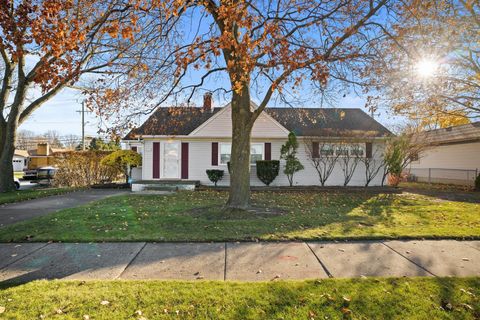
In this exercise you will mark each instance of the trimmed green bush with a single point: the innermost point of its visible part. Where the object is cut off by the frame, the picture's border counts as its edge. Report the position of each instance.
(477, 183)
(267, 170)
(215, 175)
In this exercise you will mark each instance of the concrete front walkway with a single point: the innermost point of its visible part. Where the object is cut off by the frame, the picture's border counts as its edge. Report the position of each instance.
(262, 261)
(15, 212)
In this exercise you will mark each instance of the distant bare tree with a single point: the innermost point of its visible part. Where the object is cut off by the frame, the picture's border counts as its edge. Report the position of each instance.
(53, 138)
(24, 138)
(71, 141)
(323, 158)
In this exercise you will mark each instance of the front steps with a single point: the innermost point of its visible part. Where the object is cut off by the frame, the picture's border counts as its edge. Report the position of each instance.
(164, 185)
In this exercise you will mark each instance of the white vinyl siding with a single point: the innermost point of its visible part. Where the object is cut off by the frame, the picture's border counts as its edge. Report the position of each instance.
(453, 156)
(220, 125)
(199, 161)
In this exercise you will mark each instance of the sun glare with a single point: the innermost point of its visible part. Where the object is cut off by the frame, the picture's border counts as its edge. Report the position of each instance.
(426, 68)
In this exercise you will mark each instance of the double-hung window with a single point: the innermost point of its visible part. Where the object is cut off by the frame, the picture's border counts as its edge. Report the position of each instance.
(357, 150)
(354, 150)
(326, 150)
(257, 152)
(225, 152)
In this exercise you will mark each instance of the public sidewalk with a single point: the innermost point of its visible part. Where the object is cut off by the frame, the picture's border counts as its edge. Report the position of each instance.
(246, 261)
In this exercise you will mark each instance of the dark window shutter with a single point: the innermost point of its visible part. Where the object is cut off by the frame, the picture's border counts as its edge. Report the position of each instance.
(184, 160)
(368, 149)
(268, 151)
(156, 160)
(134, 149)
(315, 150)
(214, 153)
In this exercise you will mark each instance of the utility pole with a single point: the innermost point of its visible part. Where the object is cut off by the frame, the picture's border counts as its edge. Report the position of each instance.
(83, 111)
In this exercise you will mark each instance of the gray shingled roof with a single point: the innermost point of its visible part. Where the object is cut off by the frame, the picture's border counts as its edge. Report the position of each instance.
(333, 122)
(172, 121)
(456, 134)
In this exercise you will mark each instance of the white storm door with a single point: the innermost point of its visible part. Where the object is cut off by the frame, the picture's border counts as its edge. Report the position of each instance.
(171, 160)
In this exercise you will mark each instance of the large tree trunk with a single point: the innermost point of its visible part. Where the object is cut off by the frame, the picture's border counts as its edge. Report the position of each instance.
(7, 150)
(239, 197)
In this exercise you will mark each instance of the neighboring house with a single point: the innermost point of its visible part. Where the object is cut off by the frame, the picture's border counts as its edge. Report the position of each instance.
(20, 160)
(42, 156)
(452, 155)
(182, 143)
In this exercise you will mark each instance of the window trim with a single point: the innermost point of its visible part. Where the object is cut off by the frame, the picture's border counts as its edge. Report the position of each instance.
(262, 144)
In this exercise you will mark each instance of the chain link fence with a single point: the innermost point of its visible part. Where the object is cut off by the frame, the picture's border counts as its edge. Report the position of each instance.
(442, 175)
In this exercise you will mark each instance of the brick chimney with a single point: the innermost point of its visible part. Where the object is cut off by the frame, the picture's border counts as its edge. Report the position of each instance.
(207, 102)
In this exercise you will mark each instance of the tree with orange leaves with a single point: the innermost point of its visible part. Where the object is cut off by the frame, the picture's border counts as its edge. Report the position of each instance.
(270, 47)
(52, 44)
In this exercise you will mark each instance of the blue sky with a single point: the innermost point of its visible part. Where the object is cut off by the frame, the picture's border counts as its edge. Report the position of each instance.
(60, 114)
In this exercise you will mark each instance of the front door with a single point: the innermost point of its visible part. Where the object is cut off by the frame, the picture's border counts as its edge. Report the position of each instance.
(170, 160)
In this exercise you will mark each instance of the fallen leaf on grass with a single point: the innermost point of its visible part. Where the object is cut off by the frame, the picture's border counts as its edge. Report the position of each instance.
(346, 311)
(467, 306)
(467, 292)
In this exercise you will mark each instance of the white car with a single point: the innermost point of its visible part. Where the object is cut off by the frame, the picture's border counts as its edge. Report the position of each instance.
(17, 183)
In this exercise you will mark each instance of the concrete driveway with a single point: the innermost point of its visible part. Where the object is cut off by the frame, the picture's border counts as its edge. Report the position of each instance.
(15, 212)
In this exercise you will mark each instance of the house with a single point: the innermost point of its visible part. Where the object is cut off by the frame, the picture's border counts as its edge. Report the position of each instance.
(20, 160)
(452, 155)
(42, 156)
(181, 143)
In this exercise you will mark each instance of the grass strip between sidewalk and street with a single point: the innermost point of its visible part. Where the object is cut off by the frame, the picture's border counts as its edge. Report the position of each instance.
(372, 298)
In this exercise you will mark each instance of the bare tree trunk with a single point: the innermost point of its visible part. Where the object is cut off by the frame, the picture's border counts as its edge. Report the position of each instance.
(7, 144)
(239, 197)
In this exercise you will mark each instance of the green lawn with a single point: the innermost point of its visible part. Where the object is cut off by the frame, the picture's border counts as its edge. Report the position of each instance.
(407, 298)
(197, 216)
(22, 195)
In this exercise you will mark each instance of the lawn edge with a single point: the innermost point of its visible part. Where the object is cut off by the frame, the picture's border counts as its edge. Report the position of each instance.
(298, 240)
(58, 192)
